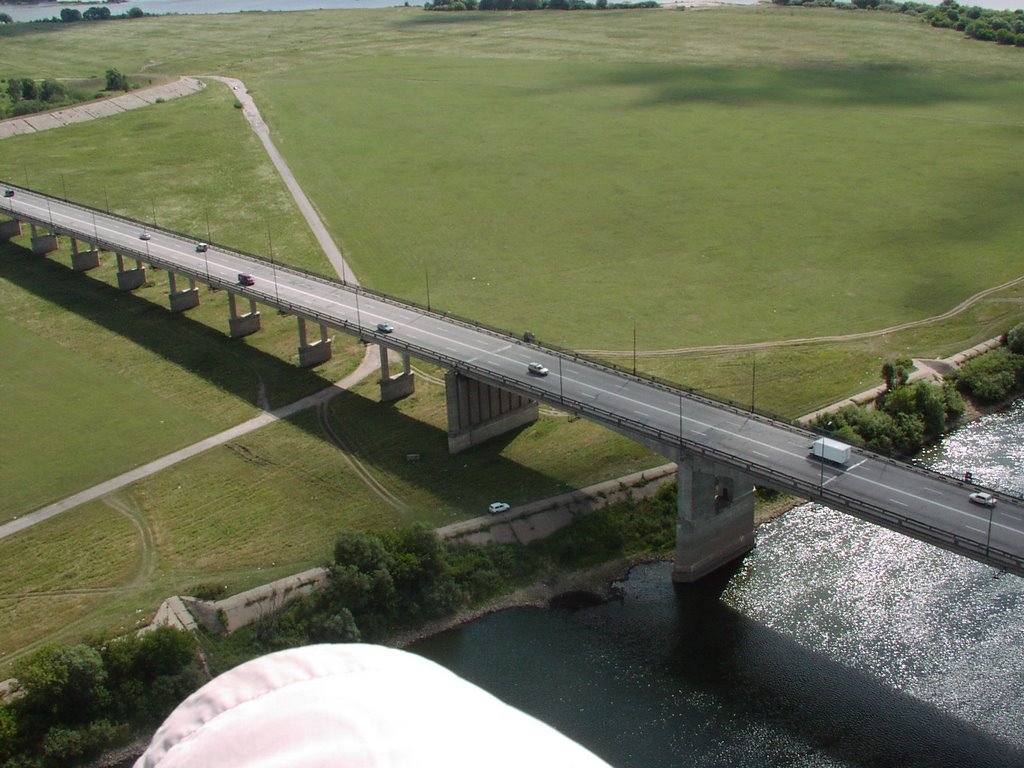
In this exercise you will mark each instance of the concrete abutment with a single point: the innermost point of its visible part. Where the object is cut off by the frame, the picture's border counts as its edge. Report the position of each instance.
(43, 244)
(130, 279)
(395, 387)
(182, 300)
(10, 228)
(83, 261)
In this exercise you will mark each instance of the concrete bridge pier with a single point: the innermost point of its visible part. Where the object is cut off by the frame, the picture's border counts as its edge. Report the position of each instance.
(130, 279)
(82, 261)
(479, 411)
(242, 325)
(182, 300)
(402, 385)
(42, 244)
(715, 518)
(317, 352)
(10, 228)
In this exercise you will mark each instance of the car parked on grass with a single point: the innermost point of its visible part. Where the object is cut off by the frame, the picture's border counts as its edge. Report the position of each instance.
(246, 279)
(537, 369)
(985, 499)
(498, 507)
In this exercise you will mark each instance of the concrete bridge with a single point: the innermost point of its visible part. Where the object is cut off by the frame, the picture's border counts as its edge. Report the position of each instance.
(721, 450)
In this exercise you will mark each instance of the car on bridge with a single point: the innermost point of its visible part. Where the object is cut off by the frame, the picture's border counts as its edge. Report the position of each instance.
(384, 328)
(8, 193)
(246, 279)
(144, 236)
(537, 369)
(985, 499)
(498, 507)
(202, 247)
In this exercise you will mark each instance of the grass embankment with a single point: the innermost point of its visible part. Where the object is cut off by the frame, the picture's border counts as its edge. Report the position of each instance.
(715, 177)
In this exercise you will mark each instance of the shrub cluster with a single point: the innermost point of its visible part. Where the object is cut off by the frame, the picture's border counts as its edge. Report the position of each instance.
(994, 377)
(71, 703)
(380, 583)
(532, 5)
(906, 417)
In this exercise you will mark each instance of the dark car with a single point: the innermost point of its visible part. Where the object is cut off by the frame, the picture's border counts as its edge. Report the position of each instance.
(8, 193)
(244, 279)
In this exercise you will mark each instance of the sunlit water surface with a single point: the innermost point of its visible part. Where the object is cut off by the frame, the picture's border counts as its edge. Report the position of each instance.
(836, 643)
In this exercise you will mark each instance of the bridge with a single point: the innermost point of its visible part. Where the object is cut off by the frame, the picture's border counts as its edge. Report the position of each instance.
(721, 449)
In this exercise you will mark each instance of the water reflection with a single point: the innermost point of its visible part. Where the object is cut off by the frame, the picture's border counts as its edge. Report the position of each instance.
(835, 643)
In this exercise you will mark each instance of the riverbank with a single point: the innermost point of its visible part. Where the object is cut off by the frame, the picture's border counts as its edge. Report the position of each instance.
(588, 586)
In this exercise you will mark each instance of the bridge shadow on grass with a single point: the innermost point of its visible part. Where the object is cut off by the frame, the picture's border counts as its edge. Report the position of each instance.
(378, 434)
(859, 720)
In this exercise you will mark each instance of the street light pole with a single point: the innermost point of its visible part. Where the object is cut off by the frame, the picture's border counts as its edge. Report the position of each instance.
(634, 346)
(426, 271)
(273, 268)
(753, 380)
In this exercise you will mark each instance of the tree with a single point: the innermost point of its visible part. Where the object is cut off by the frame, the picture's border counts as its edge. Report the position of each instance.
(64, 685)
(1015, 339)
(896, 373)
(70, 14)
(96, 13)
(116, 81)
(5, 18)
(14, 89)
(135, 13)
(51, 90)
(29, 92)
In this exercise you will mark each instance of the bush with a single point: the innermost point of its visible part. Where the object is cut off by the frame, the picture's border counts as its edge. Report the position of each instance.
(993, 377)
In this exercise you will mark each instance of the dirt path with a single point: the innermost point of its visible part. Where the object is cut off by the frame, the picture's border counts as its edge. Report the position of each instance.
(259, 127)
(369, 364)
(754, 347)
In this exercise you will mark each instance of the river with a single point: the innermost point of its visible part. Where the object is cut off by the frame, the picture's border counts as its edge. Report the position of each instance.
(835, 643)
(52, 9)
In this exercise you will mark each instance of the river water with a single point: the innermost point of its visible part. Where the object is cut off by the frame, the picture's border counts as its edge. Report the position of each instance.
(52, 9)
(835, 643)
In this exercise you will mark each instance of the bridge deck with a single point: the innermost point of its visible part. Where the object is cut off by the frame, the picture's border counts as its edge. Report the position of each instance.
(919, 503)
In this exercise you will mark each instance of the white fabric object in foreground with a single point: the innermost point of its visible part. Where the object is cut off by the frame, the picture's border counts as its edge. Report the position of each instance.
(353, 706)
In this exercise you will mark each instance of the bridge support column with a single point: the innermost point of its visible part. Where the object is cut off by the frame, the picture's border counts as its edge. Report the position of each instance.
(715, 518)
(82, 261)
(182, 300)
(243, 325)
(479, 411)
(42, 244)
(130, 279)
(315, 353)
(9, 229)
(400, 386)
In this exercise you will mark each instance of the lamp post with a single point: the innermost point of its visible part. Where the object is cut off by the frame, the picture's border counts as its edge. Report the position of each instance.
(106, 197)
(561, 388)
(426, 272)
(206, 250)
(634, 346)
(64, 186)
(152, 202)
(753, 380)
(273, 268)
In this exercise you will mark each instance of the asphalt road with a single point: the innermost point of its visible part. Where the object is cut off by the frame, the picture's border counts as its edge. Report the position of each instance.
(922, 504)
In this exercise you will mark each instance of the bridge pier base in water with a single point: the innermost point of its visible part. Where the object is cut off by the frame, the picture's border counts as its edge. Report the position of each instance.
(479, 411)
(82, 261)
(10, 228)
(715, 518)
(130, 279)
(317, 352)
(42, 244)
(242, 325)
(402, 385)
(182, 300)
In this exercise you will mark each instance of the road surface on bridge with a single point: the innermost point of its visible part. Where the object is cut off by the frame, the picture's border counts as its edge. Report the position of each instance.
(919, 503)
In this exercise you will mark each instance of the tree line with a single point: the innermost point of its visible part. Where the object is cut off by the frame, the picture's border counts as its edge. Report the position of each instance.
(1003, 27)
(532, 5)
(71, 15)
(70, 703)
(25, 95)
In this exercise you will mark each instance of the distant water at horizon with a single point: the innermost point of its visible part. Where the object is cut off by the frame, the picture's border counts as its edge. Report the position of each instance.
(48, 10)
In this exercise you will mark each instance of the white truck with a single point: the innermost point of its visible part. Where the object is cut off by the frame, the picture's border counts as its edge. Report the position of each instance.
(831, 450)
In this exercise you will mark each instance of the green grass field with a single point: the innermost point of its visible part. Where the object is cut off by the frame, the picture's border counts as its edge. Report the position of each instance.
(713, 177)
